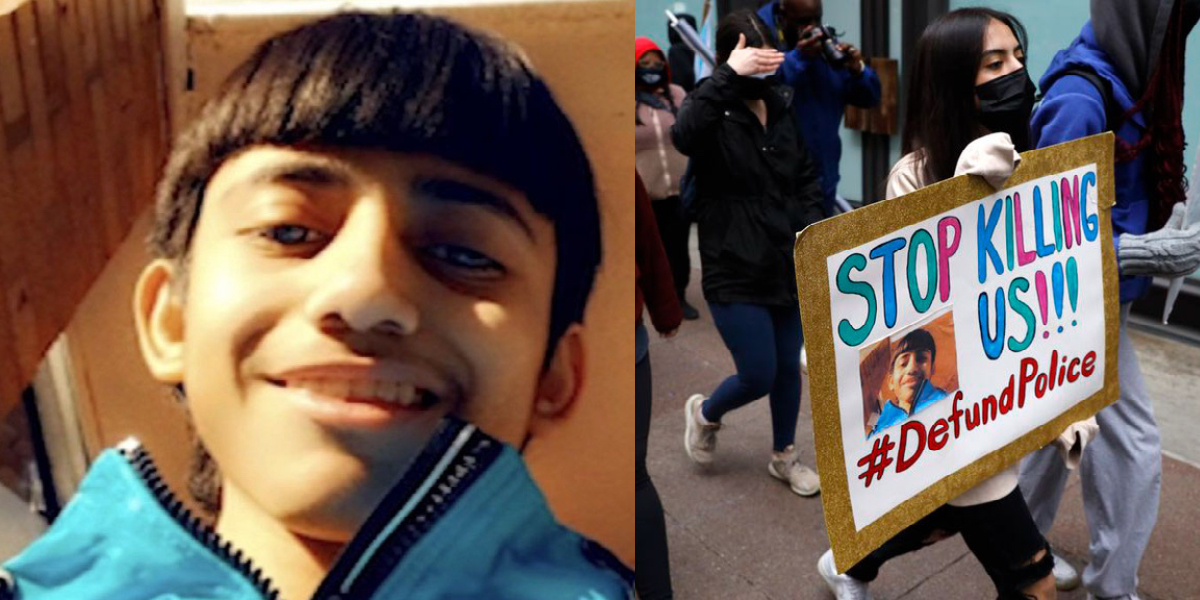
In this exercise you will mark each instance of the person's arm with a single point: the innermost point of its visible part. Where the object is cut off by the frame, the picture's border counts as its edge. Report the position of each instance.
(863, 89)
(1170, 250)
(702, 110)
(1073, 109)
(905, 177)
(794, 67)
(653, 271)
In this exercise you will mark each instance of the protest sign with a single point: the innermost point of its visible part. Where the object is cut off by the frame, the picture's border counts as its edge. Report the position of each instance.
(954, 330)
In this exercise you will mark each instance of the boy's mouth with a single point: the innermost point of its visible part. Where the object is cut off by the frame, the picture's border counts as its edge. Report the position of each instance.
(396, 393)
(372, 394)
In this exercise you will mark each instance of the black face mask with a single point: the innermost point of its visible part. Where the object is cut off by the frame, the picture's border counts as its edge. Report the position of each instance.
(650, 76)
(1005, 104)
(752, 88)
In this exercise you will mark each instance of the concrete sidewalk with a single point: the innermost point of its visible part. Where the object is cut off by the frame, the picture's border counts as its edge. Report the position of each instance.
(735, 532)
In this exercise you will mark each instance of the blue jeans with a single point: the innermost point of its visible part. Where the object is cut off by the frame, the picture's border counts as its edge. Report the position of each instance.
(765, 343)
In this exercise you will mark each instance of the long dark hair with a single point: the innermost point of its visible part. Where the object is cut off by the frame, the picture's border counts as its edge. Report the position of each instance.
(1162, 101)
(941, 117)
(741, 22)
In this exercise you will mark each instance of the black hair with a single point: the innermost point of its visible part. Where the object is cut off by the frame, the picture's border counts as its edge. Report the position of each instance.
(916, 340)
(400, 82)
(672, 35)
(940, 116)
(742, 22)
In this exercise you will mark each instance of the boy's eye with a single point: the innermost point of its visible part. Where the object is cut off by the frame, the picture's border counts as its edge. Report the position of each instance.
(291, 235)
(465, 258)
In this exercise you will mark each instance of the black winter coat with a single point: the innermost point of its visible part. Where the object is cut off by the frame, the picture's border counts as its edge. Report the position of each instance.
(755, 188)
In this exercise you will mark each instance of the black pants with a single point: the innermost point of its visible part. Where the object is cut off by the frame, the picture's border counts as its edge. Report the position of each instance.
(674, 229)
(653, 568)
(1001, 534)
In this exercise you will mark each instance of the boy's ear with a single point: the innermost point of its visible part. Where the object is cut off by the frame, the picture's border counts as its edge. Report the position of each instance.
(562, 379)
(158, 314)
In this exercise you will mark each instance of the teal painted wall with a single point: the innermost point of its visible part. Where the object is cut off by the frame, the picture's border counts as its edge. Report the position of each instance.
(651, 20)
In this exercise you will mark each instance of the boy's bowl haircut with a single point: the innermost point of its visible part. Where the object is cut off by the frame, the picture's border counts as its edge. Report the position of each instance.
(401, 82)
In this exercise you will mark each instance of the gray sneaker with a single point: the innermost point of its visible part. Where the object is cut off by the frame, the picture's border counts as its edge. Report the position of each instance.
(785, 466)
(1065, 576)
(844, 587)
(700, 436)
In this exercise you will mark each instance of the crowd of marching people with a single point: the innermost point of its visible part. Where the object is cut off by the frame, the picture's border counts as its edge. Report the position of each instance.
(749, 153)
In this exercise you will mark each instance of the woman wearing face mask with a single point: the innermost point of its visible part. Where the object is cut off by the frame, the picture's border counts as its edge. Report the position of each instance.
(755, 188)
(968, 112)
(658, 162)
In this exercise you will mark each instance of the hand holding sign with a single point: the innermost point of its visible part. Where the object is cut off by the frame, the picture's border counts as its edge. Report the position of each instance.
(1173, 251)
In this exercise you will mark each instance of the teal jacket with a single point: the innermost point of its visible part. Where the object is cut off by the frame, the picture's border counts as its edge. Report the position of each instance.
(465, 521)
(892, 414)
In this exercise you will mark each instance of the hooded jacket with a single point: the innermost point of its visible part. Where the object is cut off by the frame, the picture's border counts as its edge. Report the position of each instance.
(755, 188)
(1072, 107)
(465, 521)
(659, 163)
(822, 93)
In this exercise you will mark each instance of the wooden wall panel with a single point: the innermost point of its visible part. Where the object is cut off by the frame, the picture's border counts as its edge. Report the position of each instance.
(80, 138)
(82, 128)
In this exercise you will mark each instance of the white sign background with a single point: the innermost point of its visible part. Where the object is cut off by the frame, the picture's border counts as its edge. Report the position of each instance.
(978, 375)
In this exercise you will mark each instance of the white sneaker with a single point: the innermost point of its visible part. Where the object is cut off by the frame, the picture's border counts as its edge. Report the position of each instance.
(1129, 597)
(1065, 576)
(843, 586)
(699, 436)
(785, 466)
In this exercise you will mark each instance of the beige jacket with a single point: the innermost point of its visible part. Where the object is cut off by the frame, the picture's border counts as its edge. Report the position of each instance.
(993, 158)
(658, 162)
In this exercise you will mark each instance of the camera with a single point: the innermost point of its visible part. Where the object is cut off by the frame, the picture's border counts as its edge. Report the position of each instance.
(829, 44)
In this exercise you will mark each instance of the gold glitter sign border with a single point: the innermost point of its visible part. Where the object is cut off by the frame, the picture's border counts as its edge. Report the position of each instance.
(813, 247)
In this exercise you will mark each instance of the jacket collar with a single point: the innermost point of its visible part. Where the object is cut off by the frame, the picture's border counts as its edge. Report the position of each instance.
(465, 519)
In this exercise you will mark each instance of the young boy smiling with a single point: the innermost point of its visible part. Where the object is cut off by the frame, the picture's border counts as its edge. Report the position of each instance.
(374, 249)
(909, 379)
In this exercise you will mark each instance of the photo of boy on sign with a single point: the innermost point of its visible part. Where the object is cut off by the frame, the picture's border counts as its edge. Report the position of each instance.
(904, 373)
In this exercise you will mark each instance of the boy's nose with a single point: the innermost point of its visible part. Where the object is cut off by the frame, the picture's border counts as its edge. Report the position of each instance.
(369, 284)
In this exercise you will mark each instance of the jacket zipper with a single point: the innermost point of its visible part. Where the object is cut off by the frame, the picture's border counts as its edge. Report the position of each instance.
(457, 455)
(139, 458)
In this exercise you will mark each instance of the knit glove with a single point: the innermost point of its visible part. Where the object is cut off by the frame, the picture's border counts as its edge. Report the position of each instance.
(1171, 251)
(992, 157)
(1074, 439)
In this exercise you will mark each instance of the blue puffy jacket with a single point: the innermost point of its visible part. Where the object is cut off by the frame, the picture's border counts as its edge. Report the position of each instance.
(465, 521)
(1072, 108)
(822, 93)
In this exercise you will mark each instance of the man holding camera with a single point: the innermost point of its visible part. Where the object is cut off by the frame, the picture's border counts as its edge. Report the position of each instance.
(827, 74)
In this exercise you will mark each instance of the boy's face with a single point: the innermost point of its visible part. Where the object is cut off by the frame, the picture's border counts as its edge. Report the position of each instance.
(338, 304)
(909, 372)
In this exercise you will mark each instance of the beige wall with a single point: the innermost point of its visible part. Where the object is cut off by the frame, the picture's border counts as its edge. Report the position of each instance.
(586, 466)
